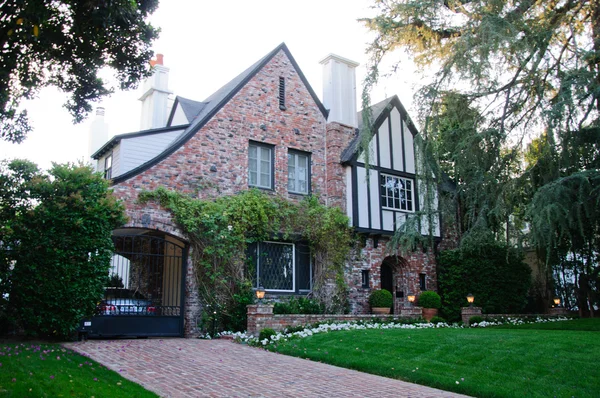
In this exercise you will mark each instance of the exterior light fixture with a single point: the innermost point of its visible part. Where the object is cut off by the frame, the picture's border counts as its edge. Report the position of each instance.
(411, 298)
(260, 293)
(556, 301)
(470, 299)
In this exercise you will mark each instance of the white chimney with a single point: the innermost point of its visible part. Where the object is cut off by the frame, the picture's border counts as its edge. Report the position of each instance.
(98, 134)
(339, 89)
(155, 96)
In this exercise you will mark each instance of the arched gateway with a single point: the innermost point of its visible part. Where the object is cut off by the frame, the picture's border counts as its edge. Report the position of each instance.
(144, 292)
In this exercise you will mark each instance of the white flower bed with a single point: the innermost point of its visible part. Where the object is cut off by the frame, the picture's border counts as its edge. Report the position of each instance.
(354, 325)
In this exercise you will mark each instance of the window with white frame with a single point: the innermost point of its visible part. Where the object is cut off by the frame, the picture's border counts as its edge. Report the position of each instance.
(397, 192)
(298, 172)
(260, 166)
(280, 266)
(108, 167)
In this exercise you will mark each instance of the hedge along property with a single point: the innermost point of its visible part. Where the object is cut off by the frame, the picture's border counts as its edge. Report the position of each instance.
(255, 186)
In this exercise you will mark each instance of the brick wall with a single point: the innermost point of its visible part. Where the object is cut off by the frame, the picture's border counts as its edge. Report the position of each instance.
(406, 273)
(261, 317)
(222, 145)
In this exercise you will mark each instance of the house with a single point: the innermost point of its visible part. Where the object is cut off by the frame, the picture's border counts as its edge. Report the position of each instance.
(268, 129)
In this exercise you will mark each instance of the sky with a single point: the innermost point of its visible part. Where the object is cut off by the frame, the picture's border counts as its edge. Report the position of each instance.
(205, 45)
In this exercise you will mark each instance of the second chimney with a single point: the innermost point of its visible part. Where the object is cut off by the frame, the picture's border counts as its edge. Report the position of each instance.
(155, 96)
(339, 89)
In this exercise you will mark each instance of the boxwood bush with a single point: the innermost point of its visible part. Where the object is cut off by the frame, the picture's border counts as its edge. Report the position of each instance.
(381, 298)
(430, 299)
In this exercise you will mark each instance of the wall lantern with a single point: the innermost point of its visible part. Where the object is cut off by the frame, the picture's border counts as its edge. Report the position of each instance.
(260, 293)
(556, 301)
(411, 298)
(470, 299)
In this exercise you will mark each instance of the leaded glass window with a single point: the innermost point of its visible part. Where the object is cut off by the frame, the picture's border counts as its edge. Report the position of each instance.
(397, 193)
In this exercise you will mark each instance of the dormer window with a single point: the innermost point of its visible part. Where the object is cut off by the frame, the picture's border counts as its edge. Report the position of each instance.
(282, 93)
(108, 167)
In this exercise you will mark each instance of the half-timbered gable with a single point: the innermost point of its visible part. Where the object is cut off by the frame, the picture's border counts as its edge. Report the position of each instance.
(384, 192)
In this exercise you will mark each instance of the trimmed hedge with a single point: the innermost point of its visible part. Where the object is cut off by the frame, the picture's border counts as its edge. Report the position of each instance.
(381, 298)
(494, 273)
(430, 299)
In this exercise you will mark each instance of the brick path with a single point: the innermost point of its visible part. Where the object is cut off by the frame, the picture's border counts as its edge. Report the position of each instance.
(221, 368)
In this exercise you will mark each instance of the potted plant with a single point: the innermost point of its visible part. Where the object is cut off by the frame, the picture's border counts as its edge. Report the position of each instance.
(430, 302)
(381, 301)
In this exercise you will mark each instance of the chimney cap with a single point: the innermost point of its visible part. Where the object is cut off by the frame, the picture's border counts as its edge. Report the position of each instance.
(100, 111)
(331, 56)
(158, 60)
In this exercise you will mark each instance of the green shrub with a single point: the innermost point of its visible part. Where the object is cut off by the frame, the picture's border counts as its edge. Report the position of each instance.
(437, 319)
(298, 305)
(235, 317)
(381, 298)
(61, 247)
(475, 319)
(266, 333)
(430, 299)
(495, 274)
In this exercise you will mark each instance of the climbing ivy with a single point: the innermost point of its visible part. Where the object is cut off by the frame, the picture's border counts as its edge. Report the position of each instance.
(219, 231)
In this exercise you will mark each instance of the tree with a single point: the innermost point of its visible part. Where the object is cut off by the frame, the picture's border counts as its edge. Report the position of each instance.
(522, 61)
(56, 245)
(64, 43)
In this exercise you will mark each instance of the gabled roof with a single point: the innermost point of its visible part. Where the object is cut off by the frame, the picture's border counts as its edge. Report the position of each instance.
(117, 138)
(190, 108)
(379, 112)
(216, 101)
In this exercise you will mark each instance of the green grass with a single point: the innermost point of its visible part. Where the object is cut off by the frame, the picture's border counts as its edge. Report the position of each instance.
(49, 370)
(589, 324)
(490, 362)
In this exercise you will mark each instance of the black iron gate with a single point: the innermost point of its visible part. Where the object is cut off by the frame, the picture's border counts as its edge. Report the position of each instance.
(145, 288)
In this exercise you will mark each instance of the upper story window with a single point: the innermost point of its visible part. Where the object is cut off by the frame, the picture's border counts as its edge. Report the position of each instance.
(298, 172)
(108, 167)
(282, 93)
(260, 165)
(397, 193)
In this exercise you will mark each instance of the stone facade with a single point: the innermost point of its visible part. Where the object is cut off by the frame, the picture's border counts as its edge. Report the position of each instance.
(214, 162)
(406, 272)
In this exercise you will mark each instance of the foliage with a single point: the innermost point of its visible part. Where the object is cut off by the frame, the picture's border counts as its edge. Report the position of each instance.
(381, 298)
(266, 333)
(38, 370)
(494, 274)
(430, 299)
(298, 305)
(236, 318)
(114, 280)
(522, 61)
(565, 219)
(65, 44)
(437, 319)
(485, 362)
(475, 319)
(494, 72)
(220, 230)
(56, 233)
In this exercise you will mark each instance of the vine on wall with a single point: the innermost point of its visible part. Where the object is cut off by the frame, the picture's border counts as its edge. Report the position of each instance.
(219, 231)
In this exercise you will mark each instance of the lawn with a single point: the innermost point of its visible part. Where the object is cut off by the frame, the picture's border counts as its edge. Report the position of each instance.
(49, 370)
(490, 362)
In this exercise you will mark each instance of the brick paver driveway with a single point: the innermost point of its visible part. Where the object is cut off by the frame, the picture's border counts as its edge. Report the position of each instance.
(221, 368)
